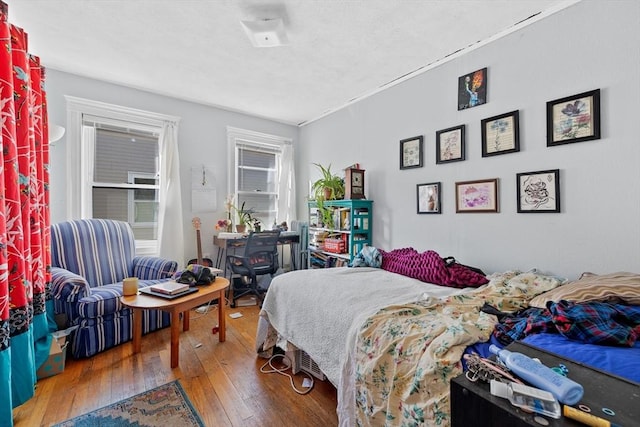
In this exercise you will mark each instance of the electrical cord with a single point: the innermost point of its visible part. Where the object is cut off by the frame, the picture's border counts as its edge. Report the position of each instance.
(280, 371)
(207, 309)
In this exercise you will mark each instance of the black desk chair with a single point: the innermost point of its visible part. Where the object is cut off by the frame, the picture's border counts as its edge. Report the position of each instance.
(260, 257)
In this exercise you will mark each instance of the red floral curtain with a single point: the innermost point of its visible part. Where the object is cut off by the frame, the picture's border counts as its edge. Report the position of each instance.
(24, 217)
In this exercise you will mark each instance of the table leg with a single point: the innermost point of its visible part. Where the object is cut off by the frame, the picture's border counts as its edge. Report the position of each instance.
(292, 256)
(222, 329)
(175, 339)
(219, 256)
(137, 330)
(185, 320)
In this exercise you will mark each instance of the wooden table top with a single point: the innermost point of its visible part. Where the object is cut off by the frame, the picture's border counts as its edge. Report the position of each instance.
(146, 301)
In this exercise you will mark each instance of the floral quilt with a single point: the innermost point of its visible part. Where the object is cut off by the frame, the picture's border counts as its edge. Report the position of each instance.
(407, 354)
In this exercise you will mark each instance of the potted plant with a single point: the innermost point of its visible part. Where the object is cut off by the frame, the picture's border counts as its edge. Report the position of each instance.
(329, 186)
(244, 217)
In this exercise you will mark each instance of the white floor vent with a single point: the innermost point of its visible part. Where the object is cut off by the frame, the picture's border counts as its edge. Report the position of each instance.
(303, 362)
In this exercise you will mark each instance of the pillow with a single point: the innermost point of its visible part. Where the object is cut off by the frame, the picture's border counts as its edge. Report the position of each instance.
(614, 287)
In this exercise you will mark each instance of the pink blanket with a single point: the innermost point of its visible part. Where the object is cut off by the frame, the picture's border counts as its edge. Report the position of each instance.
(429, 267)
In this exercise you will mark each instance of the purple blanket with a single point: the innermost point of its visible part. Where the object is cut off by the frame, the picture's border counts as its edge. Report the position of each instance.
(430, 267)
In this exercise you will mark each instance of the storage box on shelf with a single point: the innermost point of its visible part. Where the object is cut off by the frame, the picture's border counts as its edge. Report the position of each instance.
(335, 244)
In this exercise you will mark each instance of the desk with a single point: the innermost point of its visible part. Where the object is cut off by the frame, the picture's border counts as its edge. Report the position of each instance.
(205, 293)
(235, 241)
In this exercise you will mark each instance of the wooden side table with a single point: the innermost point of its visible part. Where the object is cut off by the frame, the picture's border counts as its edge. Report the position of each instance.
(205, 293)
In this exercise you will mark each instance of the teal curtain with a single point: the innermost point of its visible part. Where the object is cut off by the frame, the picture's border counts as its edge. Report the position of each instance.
(24, 219)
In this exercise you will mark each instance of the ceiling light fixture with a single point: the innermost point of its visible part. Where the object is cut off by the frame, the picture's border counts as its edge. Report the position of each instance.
(266, 32)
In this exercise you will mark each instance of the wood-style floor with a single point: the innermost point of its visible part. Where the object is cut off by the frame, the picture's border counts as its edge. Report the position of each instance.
(222, 380)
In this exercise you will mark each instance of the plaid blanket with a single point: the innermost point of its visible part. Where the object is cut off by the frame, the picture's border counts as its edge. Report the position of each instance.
(589, 322)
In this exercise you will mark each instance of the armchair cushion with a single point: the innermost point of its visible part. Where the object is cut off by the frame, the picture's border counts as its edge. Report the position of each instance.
(149, 267)
(105, 299)
(68, 286)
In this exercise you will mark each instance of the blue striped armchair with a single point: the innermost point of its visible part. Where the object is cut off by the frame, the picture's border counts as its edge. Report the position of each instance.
(89, 259)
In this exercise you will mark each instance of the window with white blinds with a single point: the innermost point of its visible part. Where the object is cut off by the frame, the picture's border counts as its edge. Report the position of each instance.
(257, 160)
(118, 151)
(125, 178)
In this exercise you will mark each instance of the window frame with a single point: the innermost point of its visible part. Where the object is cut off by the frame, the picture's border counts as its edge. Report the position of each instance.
(242, 139)
(80, 182)
(132, 201)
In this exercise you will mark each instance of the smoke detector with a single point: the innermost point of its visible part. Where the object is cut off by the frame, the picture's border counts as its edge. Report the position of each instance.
(266, 32)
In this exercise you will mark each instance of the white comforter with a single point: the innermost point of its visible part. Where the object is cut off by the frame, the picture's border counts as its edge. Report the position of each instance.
(320, 311)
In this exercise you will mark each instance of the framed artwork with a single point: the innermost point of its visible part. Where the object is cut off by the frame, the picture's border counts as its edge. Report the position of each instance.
(574, 118)
(428, 198)
(450, 145)
(477, 196)
(472, 89)
(501, 134)
(538, 192)
(411, 152)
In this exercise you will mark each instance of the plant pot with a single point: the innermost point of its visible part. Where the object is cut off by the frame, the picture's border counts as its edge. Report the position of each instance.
(328, 193)
(241, 228)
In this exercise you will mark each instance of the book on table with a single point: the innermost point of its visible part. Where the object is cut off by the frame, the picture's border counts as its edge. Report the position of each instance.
(170, 288)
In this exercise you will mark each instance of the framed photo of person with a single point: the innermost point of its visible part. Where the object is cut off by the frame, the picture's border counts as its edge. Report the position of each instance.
(428, 198)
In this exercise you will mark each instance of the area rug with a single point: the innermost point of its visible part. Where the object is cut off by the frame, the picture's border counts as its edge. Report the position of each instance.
(167, 405)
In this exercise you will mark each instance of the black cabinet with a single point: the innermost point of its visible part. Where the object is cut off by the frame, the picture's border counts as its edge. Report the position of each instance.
(472, 404)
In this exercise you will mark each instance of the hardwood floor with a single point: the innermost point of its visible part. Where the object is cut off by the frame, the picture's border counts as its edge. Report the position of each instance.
(222, 380)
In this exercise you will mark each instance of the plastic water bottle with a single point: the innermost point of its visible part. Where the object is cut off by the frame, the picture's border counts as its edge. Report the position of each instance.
(565, 390)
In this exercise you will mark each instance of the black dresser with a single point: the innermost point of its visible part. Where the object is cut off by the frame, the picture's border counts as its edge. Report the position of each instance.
(472, 404)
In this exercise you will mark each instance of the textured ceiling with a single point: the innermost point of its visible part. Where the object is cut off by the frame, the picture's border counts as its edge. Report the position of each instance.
(197, 50)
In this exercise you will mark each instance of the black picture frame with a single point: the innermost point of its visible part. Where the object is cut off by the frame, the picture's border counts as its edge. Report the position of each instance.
(501, 134)
(538, 192)
(429, 198)
(450, 144)
(574, 118)
(411, 152)
(472, 89)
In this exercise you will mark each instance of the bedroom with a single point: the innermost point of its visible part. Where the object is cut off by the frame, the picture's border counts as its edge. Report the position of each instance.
(587, 46)
(597, 228)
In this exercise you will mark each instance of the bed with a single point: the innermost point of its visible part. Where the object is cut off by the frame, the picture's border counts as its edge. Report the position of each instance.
(389, 343)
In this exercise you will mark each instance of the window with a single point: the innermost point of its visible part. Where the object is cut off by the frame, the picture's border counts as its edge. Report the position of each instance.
(142, 203)
(262, 175)
(119, 152)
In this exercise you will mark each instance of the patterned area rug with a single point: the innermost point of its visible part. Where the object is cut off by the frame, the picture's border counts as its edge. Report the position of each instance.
(167, 405)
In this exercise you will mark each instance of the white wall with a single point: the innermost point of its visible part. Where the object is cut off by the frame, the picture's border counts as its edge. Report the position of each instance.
(593, 44)
(202, 141)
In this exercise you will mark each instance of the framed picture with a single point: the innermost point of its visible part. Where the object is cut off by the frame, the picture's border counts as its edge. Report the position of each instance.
(411, 152)
(428, 197)
(450, 145)
(538, 191)
(574, 118)
(501, 134)
(477, 196)
(472, 89)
